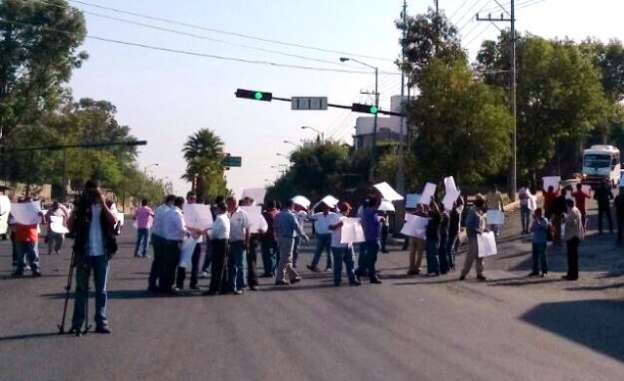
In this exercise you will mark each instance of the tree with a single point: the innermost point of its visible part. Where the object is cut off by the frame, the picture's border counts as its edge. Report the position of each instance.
(429, 36)
(461, 126)
(35, 61)
(609, 58)
(203, 152)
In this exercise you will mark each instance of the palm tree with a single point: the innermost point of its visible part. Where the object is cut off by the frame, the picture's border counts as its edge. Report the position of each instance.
(203, 152)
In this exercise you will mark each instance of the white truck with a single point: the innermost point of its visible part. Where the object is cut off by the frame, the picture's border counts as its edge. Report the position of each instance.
(601, 163)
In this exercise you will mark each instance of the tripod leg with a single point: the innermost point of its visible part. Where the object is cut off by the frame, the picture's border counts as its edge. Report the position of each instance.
(70, 277)
(87, 326)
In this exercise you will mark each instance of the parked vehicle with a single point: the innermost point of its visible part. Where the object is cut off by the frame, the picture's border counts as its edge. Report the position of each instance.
(601, 163)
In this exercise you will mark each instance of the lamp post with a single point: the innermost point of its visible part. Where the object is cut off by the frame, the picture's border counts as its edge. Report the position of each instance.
(320, 133)
(291, 143)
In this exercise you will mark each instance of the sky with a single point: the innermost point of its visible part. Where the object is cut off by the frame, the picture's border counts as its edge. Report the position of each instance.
(166, 97)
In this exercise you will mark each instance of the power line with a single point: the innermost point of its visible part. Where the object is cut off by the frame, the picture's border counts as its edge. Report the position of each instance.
(197, 54)
(241, 35)
(467, 13)
(458, 9)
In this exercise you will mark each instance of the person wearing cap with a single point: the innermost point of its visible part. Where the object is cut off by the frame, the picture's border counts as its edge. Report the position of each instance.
(341, 251)
(474, 227)
(323, 237)
(287, 227)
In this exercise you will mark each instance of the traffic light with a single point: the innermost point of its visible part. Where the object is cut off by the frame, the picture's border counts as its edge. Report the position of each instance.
(254, 94)
(368, 109)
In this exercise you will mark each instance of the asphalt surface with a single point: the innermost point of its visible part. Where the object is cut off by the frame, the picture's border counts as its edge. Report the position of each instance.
(408, 328)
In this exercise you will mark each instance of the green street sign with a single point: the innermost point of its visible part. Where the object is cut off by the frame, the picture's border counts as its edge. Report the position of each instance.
(232, 161)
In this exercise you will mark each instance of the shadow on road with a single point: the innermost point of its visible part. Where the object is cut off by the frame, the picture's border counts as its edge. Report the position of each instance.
(522, 281)
(595, 324)
(28, 336)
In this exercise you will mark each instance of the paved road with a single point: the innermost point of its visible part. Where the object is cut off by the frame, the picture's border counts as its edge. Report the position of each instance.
(409, 328)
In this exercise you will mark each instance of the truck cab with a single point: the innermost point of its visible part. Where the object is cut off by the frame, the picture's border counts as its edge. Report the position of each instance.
(601, 163)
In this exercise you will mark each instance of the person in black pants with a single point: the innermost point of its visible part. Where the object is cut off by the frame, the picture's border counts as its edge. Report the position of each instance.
(175, 233)
(191, 198)
(574, 233)
(444, 233)
(603, 195)
(219, 243)
(252, 251)
(619, 214)
(385, 230)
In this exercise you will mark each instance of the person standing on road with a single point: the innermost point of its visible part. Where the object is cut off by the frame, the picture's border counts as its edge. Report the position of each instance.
(539, 228)
(268, 242)
(55, 240)
(370, 224)
(494, 201)
(603, 196)
(474, 227)
(323, 237)
(175, 232)
(93, 224)
(191, 198)
(239, 241)
(343, 252)
(385, 231)
(558, 212)
(549, 200)
(255, 238)
(524, 195)
(579, 199)
(219, 236)
(301, 215)
(433, 239)
(25, 240)
(444, 232)
(417, 244)
(159, 243)
(619, 214)
(454, 229)
(287, 227)
(574, 233)
(144, 216)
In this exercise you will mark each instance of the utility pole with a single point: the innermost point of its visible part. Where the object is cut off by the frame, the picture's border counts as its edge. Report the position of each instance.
(513, 85)
(400, 178)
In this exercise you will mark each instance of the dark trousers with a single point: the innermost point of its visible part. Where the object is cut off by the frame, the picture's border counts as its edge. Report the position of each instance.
(384, 237)
(343, 254)
(218, 270)
(99, 267)
(156, 272)
(620, 226)
(370, 258)
(296, 250)
(269, 255)
(607, 213)
(207, 256)
(433, 264)
(171, 260)
(194, 269)
(451, 249)
(443, 255)
(573, 267)
(252, 260)
(539, 258)
(143, 236)
(525, 216)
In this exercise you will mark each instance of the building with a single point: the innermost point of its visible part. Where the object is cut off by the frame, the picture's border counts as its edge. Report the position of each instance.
(388, 127)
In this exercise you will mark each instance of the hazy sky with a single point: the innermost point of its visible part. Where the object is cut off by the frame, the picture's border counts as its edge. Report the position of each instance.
(165, 97)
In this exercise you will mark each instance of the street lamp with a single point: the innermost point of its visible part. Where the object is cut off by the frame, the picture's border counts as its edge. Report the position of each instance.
(320, 133)
(376, 69)
(282, 155)
(291, 143)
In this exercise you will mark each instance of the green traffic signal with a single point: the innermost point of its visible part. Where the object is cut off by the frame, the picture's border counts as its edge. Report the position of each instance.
(258, 95)
(374, 110)
(254, 94)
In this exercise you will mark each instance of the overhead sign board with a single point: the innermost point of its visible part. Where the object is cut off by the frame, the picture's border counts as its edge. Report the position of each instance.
(308, 103)
(232, 161)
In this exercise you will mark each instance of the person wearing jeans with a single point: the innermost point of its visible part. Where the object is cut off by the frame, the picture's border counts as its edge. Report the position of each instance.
(525, 213)
(25, 241)
(219, 239)
(539, 228)
(323, 237)
(239, 242)
(433, 240)
(287, 227)
(474, 227)
(370, 225)
(342, 252)
(144, 216)
(574, 233)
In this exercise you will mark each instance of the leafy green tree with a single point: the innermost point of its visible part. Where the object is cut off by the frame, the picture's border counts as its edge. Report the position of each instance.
(203, 152)
(461, 126)
(34, 62)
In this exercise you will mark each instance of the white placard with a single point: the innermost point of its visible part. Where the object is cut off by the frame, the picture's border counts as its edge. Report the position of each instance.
(57, 226)
(187, 250)
(197, 216)
(351, 231)
(411, 200)
(387, 192)
(5, 205)
(26, 213)
(487, 244)
(495, 217)
(330, 201)
(256, 194)
(427, 194)
(386, 206)
(256, 219)
(449, 184)
(532, 202)
(301, 201)
(415, 226)
(449, 198)
(553, 181)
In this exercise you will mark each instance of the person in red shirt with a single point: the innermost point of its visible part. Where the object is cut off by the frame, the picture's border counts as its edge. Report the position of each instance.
(549, 201)
(26, 239)
(579, 200)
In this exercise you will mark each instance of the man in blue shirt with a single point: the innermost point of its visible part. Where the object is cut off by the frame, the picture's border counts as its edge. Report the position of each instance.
(474, 227)
(370, 224)
(286, 228)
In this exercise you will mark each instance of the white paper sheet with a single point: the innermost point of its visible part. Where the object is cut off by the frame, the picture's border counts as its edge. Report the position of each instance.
(551, 180)
(57, 226)
(330, 201)
(302, 201)
(449, 198)
(411, 200)
(197, 216)
(449, 184)
(351, 231)
(532, 202)
(386, 206)
(26, 213)
(495, 217)
(5, 205)
(256, 194)
(487, 244)
(387, 192)
(415, 226)
(187, 249)
(427, 194)
(256, 219)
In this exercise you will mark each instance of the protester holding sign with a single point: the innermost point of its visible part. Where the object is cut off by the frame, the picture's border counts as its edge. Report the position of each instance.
(56, 218)
(454, 229)
(580, 197)
(433, 239)
(370, 223)
(539, 229)
(343, 252)
(24, 219)
(219, 237)
(495, 207)
(287, 227)
(474, 227)
(323, 237)
(268, 241)
(191, 199)
(239, 241)
(574, 233)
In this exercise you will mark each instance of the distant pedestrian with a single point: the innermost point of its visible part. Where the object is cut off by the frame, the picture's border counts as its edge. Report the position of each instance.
(494, 200)
(524, 195)
(301, 216)
(417, 244)
(255, 238)
(25, 239)
(287, 228)
(323, 237)
(549, 200)
(219, 236)
(444, 233)
(175, 232)
(619, 214)
(474, 227)
(144, 216)
(370, 224)
(385, 231)
(343, 252)
(603, 196)
(540, 229)
(93, 223)
(574, 233)
(55, 239)
(268, 242)
(159, 244)
(191, 198)
(454, 229)
(239, 242)
(432, 241)
(558, 212)
(579, 199)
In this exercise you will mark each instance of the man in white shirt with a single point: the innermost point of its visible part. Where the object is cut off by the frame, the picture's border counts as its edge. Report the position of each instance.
(159, 243)
(175, 231)
(301, 216)
(191, 198)
(323, 237)
(219, 236)
(524, 195)
(239, 241)
(342, 251)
